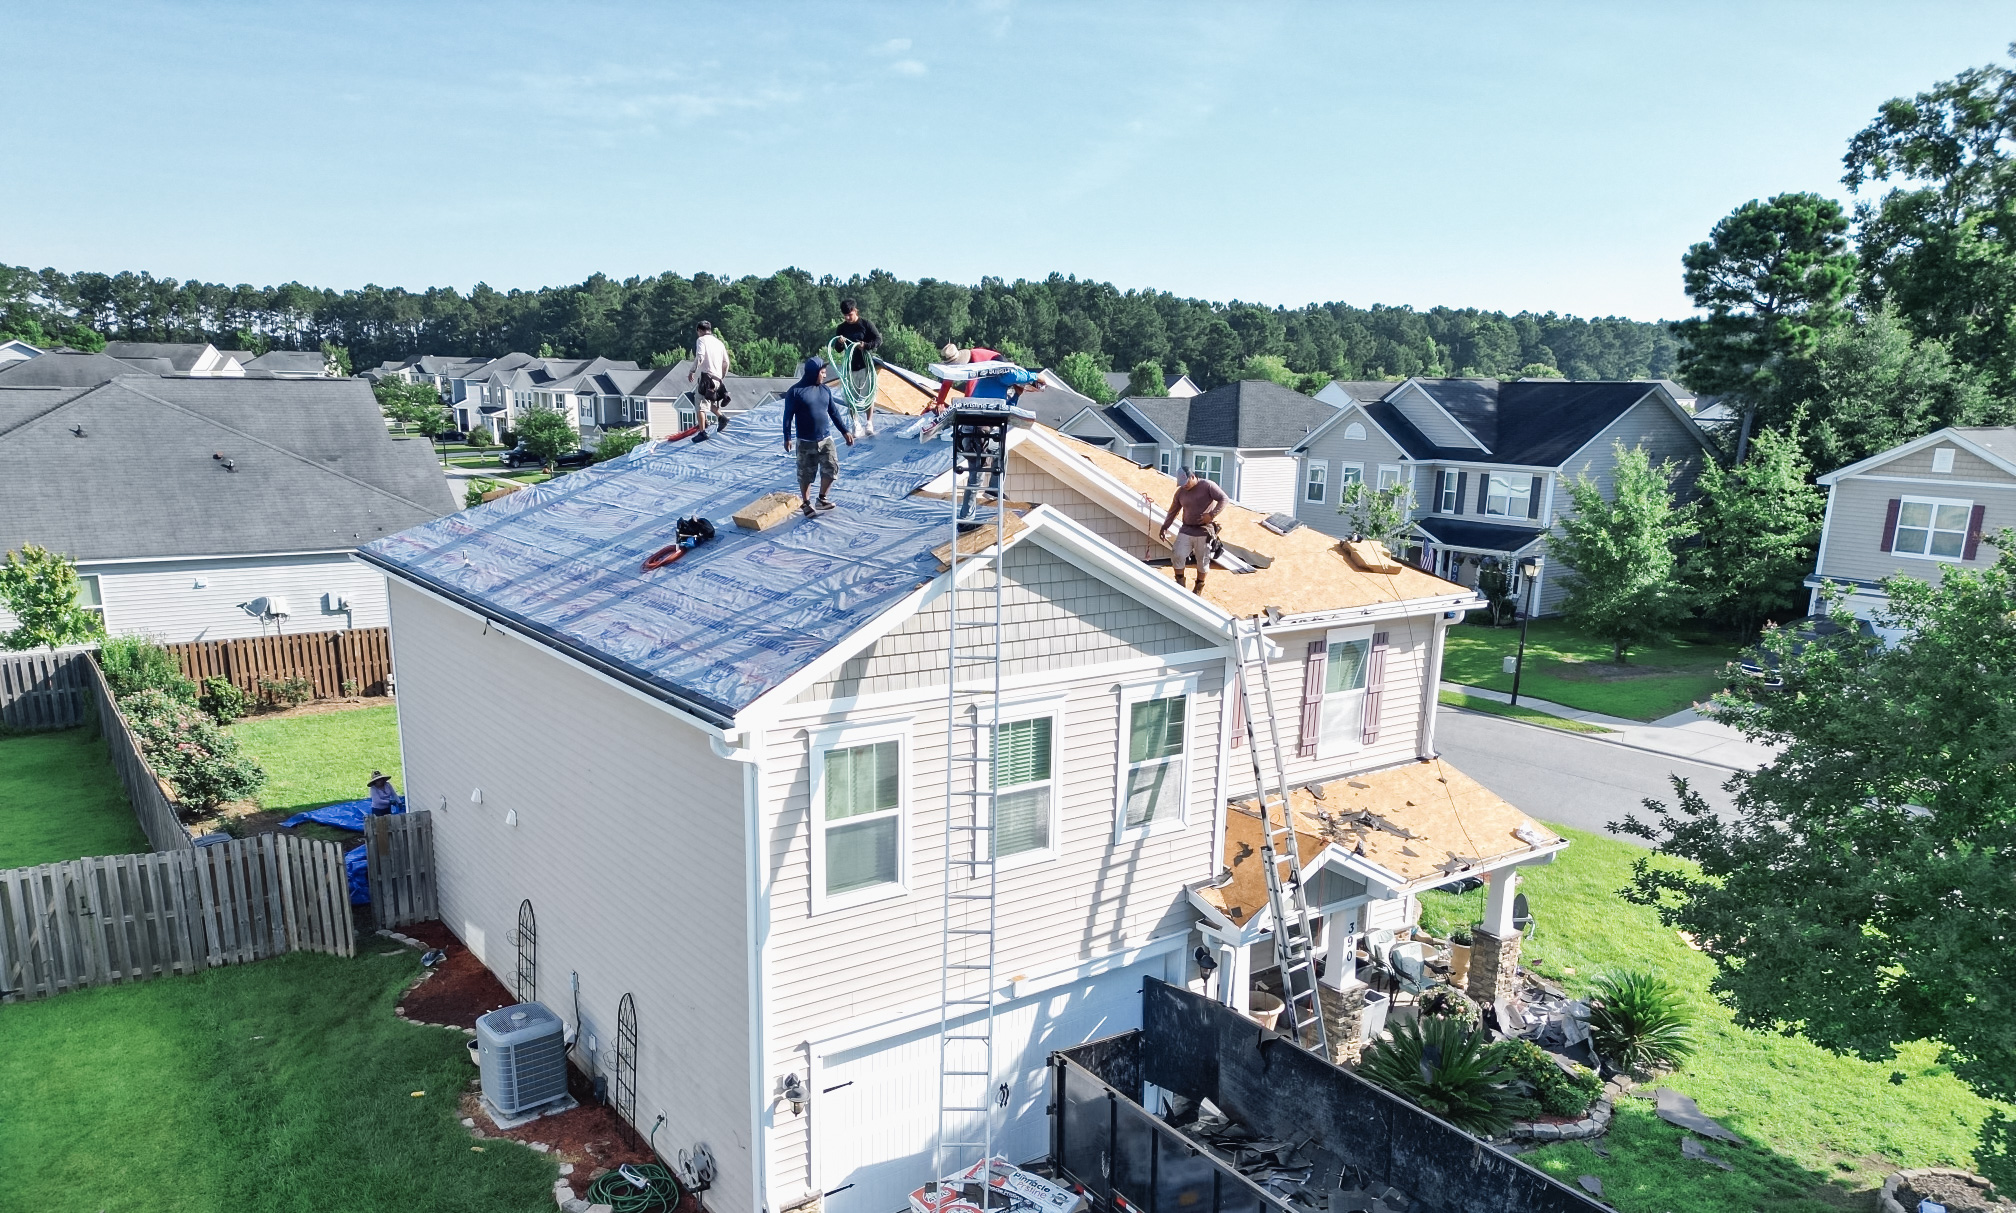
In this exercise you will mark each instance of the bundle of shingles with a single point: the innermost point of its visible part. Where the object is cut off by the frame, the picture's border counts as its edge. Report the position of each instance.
(1296, 1172)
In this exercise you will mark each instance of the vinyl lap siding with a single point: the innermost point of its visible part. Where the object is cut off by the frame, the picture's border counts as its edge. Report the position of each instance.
(1431, 419)
(876, 962)
(161, 598)
(1648, 424)
(1025, 481)
(1268, 483)
(1059, 617)
(1855, 533)
(1332, 448)
(629, 843)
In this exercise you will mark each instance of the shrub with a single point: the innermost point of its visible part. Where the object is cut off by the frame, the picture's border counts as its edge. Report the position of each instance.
(223, 700)
(200, 761)
(617, 443)
(134, 663)
(1462, 935)
(473, 495)
(1538, 1077)
(350, 688)
(479, 437)
(1444, 1067)
(1448, 1002)
(1640, 1021)
(287, 692)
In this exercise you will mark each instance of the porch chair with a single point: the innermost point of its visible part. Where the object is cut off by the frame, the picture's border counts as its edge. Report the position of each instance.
(1522, 916)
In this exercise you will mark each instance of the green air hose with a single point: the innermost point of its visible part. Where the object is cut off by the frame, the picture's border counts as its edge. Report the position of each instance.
(615, 1189)
(857, 384)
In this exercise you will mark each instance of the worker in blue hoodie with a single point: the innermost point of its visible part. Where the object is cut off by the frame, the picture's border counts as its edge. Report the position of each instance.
(812, 412)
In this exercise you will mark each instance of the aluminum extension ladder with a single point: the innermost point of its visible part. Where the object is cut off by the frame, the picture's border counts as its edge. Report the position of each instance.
(1280, 855)
(968, 1097)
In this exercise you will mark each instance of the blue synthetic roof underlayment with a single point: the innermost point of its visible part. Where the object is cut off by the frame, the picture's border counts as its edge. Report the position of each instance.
(731, 619)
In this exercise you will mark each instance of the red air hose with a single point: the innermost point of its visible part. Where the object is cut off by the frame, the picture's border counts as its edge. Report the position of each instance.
(664, 556)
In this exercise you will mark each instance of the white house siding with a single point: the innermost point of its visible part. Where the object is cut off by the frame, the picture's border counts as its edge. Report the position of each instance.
(1267, 483)
(1333, 449)
(1861, 504)
(163, 599)
(1025, 480)
(850, 969)
(1649, 424)
(1408, 640)
(629, 843)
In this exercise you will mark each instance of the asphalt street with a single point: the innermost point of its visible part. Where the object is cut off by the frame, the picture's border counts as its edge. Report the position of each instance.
(1560, 777)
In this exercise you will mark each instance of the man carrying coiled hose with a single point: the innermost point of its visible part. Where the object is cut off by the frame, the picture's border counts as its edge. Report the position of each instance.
(851, 354)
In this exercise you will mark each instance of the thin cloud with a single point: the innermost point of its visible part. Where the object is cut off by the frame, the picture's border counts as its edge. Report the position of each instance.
(908, 67)
(895, 46)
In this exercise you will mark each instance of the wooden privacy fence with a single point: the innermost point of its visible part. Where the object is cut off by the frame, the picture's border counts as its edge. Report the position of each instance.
(151, 804)
(126, 918)
(325, 659)
(44, 690)
(399, 856)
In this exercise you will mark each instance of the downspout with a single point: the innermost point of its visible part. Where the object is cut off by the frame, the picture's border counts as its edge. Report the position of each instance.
(756, 910)
(1431, 686)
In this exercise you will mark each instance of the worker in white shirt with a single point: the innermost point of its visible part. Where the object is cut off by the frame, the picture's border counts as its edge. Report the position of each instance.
(710, 364)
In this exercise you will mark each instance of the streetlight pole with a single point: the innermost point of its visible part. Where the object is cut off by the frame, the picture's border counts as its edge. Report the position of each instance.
(1529, 569)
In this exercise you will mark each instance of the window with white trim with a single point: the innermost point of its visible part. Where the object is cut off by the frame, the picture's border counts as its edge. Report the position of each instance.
(1210, 467)
(1389, 476)
(1025, 806)
(1316, 481)
(1343, 724)
(1154, 751)
(1508, 496)
(1932, 528)
(1942, 459)
(1354, 432)
(1447, 493)
(88, 595)
(1162, 462)
(858, 839)
(1349, 474)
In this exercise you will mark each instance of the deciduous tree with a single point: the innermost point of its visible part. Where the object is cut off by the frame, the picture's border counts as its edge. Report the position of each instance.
(1146, 379)
(1086, 377)
(40, 588)
(1863, 892)
(1623, 553)
(547, 435)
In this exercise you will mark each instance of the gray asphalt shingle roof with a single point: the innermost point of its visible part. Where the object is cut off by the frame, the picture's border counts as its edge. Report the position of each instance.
(182, 355)
(313, 468)
(1535, 422)
(67, 370)
(1250, 414)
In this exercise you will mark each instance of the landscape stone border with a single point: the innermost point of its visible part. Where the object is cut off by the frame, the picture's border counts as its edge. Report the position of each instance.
(1594, 1123)
(1887, 1201)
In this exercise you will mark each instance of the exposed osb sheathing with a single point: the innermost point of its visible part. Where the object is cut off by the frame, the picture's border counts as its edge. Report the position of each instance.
(979, 539)
(1426, 822)
(898, 395)
(1308, 571)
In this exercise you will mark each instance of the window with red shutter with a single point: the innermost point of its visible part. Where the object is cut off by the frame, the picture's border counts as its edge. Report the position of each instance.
(1375, 685)
(1312, 698)
(1890, 523)
(1974, 532)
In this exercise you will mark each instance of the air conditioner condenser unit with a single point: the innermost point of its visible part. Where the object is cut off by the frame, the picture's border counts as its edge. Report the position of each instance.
(522, 1052)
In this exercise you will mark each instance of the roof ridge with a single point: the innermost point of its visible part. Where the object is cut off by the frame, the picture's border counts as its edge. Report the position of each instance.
(272, 446)
(54, 408)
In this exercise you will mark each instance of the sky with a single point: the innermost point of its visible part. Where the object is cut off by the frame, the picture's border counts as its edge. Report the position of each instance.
(1543, 157)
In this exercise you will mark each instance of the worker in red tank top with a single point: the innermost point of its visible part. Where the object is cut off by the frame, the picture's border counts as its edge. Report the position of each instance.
(954, 356)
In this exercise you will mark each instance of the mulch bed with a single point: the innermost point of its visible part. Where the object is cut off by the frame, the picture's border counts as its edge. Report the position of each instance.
(459, 990)
(592, 1136)
(1955, 1193)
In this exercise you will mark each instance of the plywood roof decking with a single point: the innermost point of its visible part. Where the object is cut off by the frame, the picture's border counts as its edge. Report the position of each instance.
(1438, 824)
(898, 395)
(1309, 571)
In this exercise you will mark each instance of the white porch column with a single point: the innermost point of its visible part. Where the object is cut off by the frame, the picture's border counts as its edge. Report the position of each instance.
(1504, 883)
(1235, 976)
(1340, 949)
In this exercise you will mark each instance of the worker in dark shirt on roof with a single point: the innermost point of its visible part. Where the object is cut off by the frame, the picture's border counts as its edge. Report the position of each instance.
(812, 412)
(1200, 503)
(860, 330)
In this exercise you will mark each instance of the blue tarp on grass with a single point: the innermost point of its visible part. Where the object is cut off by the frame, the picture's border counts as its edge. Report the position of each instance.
(356, 866)
(348, 815)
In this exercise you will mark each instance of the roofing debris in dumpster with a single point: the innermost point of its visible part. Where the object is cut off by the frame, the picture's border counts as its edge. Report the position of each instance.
(1015, 1191)
(1294, 1171)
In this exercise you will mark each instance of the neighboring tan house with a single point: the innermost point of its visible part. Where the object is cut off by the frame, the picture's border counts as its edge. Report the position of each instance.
(1487, 461)
(1916, 510)
(755, 854)
(1172, 385)
(211, 508)
(1240, 436)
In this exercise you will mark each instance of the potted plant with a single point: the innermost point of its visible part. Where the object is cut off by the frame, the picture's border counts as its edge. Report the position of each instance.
(1460, 941)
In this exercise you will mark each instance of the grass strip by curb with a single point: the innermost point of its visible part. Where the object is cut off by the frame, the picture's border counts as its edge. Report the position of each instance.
(1457, 699)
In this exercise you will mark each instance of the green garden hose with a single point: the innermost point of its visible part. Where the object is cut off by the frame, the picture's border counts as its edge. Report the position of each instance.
(857, 384)
(616, 1189)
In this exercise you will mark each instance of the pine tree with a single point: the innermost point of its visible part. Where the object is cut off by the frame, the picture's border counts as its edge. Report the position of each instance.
(1623, 554)
(1759, 522)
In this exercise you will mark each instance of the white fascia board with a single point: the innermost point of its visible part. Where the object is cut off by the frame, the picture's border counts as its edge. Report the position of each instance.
(1415, 383)
(1349, 406)
(1379, 612)
(1932, 439)
(1493, 465)
(1056, 531)
(1532, 856)
(207, 557)
(1091, 413)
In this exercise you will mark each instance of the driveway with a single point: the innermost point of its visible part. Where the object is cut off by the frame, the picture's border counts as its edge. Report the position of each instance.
(1562, 777)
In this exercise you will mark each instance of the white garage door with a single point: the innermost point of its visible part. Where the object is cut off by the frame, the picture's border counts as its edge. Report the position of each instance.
(875, 1109)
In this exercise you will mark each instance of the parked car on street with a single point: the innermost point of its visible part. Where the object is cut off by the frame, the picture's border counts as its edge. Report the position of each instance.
(519, 457)
(1763, 664)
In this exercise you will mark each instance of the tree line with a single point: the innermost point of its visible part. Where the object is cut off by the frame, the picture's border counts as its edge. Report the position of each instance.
(773, 321)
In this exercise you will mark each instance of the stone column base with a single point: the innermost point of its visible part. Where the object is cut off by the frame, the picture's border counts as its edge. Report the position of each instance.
(1494, 967)
(1343, 1013)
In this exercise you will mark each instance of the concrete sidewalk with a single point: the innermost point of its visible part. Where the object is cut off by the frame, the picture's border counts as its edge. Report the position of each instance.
(1685, 734)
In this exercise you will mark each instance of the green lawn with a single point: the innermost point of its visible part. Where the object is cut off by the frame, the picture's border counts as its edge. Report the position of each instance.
(1475, 703)
(60, 799)
(1820, 1125)
(320, 759)
(277, 1086)
(1566, 667)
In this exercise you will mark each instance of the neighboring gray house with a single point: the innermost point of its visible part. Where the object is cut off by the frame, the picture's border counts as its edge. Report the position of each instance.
(1240, 436)
(1917, 510)
(292, 364)
(67, 368)
(755, 857)
(1172, 385)
(210, 508)
(198, 358)
(15, 350)
(1486, 460)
